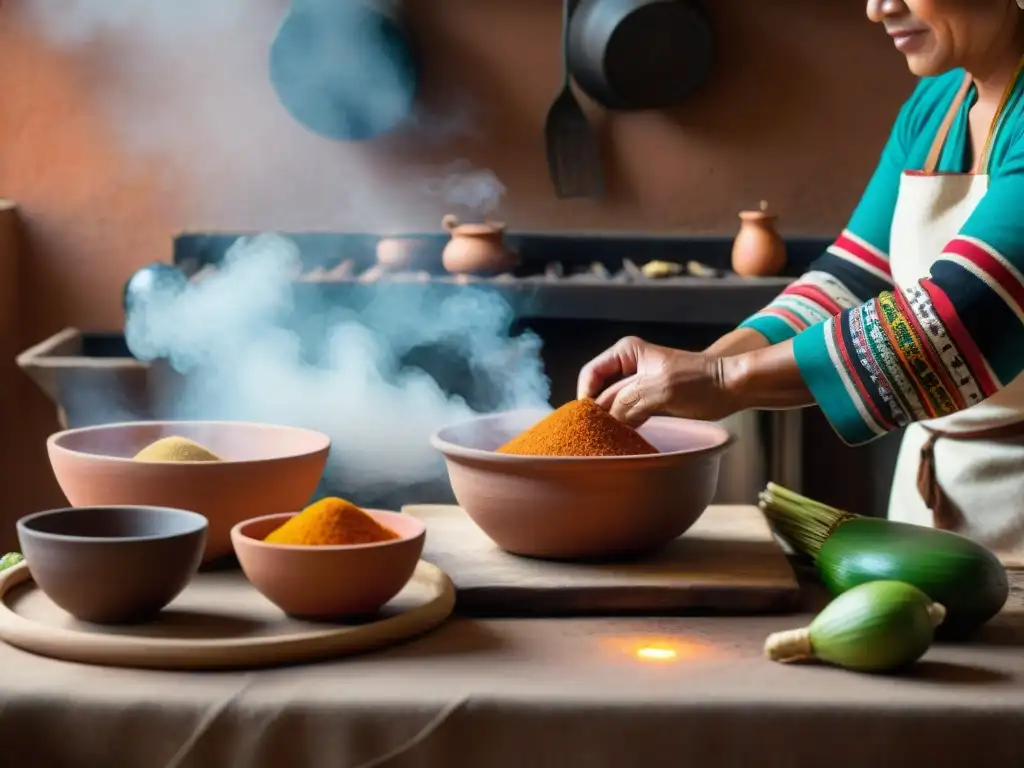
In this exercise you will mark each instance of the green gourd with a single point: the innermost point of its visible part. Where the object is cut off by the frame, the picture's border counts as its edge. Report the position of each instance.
(880, 626)
(850, 550)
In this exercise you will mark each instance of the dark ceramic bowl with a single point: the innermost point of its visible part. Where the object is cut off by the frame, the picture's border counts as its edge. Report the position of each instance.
(115, 564)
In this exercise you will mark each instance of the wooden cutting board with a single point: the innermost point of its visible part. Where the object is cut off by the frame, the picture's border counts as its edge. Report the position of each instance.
(728, 562)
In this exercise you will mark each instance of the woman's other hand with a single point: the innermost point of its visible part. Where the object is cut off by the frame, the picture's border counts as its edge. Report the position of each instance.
(635, 380)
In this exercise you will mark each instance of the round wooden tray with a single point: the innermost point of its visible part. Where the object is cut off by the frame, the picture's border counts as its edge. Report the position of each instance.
(220, 621)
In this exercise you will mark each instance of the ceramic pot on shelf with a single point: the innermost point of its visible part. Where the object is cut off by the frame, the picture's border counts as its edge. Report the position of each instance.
(758, 250)
(476, 249)
(398, 254)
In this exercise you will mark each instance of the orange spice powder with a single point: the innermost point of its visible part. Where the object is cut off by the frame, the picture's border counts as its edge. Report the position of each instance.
(579, 428)
(331, 522)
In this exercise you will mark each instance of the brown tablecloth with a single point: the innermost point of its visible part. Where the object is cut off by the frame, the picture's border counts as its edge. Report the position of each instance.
(532, 694)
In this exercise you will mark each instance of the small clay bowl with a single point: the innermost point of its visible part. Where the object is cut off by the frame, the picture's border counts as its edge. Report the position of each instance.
(568, 508)
(267, 469)
(331, 582)
(115, 564)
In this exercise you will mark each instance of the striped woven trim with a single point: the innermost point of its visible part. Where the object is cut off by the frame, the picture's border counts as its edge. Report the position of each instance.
(914, 357)
(812, 299)
(946, 311)
(862, 254)
(889, 361)
(857, 395)
(934, 361)
(826, 289)
(950, 358)
(877, 375)
(992, 268)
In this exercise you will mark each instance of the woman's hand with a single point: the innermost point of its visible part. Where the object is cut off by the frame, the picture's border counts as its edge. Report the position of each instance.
(634, 380)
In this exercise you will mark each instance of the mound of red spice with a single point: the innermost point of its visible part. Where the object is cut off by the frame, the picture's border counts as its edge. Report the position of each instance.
(579, 428)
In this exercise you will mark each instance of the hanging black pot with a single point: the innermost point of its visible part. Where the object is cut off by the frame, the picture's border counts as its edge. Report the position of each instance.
(345, 69)
(640, 54)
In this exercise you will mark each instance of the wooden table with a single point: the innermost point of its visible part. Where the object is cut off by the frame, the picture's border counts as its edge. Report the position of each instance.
(513, 693)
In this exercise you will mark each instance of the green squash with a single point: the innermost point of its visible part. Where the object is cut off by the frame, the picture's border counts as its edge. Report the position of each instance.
(880, 626)
(849, 550)
(965, 577)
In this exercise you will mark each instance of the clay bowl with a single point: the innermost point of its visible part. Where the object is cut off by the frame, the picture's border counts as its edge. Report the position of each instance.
(332, 582)
(582, 508)
(114, 564)
(267, 469)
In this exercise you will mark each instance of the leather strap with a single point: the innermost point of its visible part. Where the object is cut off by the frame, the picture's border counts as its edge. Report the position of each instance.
(981, 166)
(932, 161)
(946, 515)
(981, 162)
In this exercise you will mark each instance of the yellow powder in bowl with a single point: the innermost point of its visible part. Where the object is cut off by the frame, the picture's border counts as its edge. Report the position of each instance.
(176, 449)
(331, 522)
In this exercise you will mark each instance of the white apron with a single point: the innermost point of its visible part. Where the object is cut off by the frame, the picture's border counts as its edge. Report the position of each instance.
(963, 472)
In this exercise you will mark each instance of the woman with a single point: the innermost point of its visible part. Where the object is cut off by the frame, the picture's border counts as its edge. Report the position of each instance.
(915, 315)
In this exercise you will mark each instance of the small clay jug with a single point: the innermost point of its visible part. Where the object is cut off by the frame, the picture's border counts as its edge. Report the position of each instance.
(476, 249)
(759, 250)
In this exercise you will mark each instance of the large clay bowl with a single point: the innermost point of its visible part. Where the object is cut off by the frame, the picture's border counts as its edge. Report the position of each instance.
(267, 469)
(330, 582)
(112, 565)
(582, 508)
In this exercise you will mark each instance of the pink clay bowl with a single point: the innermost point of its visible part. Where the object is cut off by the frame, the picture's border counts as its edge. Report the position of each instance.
(267, 469)
(329, 582)
(569, 508)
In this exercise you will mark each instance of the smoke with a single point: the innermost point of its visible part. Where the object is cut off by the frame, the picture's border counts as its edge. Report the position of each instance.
(77, 22)
(462, 187)
(257, 346)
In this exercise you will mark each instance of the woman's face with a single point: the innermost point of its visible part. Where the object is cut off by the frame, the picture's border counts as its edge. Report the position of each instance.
(939, 35)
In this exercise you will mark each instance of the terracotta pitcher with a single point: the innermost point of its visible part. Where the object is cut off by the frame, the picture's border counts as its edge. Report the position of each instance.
(759, 250)
(477, 249)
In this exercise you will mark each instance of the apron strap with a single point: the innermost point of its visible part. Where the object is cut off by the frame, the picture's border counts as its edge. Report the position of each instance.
(981, 162)
(946, 515)
(981, 167)
(932, 161)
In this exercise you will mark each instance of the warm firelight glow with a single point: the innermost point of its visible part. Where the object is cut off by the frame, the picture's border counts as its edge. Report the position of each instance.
(656, 653)
(663, 649)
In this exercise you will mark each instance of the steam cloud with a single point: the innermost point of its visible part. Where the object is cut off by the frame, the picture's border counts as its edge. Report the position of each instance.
(252, 349)
(187, 80)
(463, 187)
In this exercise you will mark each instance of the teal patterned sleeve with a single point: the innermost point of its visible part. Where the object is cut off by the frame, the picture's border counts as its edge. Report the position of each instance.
(942, 344)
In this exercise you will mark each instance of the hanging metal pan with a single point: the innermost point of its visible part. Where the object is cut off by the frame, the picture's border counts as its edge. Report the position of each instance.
(640, 54)
(345, 69)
